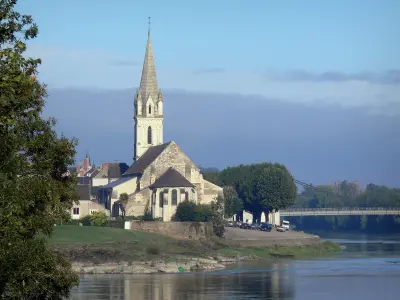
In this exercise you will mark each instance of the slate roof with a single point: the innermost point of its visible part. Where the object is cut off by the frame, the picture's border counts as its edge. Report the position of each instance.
(146, 159)
(148, 82)
(92, 172)
(171, 178)
(117, 182)
(83, 191)
(113, 170)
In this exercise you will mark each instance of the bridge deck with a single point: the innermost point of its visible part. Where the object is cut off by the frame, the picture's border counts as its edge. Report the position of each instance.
(367, 211)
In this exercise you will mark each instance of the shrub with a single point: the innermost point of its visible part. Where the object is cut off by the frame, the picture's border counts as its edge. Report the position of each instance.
(99, 218)
(147, 216)
(191, 212)
(86, 221)
(153, 250)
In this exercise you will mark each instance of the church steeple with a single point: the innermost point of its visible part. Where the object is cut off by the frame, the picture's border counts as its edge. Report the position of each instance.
(148, 83)
(148, 106)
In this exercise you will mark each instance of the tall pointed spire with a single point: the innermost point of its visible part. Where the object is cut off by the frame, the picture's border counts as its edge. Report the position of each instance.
(148, 82)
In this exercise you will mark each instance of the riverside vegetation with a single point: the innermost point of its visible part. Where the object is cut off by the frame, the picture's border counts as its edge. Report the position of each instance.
(94, 249)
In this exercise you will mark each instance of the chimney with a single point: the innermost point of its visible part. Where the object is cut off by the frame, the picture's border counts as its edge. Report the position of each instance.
(86, 164)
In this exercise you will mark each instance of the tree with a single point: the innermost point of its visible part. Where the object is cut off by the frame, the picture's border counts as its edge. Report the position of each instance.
(261, 187)
(232, 203)
(217, 219)
(274, 188)
(36, 190)
(123, 200)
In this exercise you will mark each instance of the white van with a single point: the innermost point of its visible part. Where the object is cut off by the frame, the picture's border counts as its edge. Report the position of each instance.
(286, 225)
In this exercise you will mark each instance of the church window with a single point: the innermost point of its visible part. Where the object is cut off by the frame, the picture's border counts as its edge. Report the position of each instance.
(186, 196)
(149, 109)
(161, 199)
(174, 200)
(149, 135)
(165, 198)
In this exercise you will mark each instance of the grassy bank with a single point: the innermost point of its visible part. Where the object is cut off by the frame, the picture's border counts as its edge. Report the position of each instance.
(293, 251)
(105, 244)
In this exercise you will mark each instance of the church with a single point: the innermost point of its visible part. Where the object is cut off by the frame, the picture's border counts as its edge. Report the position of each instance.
(162, 175)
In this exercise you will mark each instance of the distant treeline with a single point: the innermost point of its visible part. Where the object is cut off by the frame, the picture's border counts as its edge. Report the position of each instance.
(348, 194)
(338, 195)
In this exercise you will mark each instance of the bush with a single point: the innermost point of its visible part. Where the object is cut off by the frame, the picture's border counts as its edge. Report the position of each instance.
(191, 212)
(147, 216)
(153, 250)
(99, 218)
(85, 221)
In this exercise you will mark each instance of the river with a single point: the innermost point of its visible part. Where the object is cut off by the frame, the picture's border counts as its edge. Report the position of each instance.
(364, 270)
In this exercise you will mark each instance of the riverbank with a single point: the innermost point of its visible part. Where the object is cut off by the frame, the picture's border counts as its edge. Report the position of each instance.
(111, 250)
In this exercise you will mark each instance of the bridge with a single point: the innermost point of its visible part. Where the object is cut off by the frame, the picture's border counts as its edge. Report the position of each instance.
(346, 211)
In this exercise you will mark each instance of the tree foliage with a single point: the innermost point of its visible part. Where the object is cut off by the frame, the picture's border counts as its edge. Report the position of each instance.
(35, 188)
(262, 187)
(232, 202)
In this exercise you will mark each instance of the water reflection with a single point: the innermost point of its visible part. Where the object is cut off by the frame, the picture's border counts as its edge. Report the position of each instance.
(272, 281)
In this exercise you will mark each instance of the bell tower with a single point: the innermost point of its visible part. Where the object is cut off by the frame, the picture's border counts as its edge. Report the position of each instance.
(148, 103)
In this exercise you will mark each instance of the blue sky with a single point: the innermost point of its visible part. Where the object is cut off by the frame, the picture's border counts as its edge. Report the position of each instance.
(346, 36)
(319, 81)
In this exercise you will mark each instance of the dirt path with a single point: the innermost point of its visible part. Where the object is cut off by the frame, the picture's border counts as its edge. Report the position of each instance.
(254, 238)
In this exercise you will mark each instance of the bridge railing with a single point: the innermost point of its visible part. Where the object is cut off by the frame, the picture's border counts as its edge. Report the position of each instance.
(321, 209)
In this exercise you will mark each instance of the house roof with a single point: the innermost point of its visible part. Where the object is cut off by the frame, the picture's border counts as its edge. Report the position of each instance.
(118, 182)
(84, 180)
(113, 170)
(92, 172)
(171, 178)
(146, 159)
(83, 191)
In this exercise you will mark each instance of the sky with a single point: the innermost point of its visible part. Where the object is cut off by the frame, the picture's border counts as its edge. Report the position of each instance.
(334, 59)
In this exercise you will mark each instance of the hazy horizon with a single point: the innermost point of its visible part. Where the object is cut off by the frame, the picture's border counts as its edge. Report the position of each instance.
(318, 143)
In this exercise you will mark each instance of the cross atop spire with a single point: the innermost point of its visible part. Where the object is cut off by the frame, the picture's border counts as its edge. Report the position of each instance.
(148, 82)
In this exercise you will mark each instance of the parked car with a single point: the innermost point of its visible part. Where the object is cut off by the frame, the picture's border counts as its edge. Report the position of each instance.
(281, 229)
(286, 224)
(245, 226)
(265, 227)
(254, 226)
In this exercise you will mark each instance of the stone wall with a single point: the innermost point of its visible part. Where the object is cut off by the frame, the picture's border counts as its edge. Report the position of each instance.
(180, 230)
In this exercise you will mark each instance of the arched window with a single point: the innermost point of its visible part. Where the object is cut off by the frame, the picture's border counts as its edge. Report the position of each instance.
(174, 200)
(149, 136)
(161, 199)
(149, 109)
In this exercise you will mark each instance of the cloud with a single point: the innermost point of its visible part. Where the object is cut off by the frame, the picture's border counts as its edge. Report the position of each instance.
(391, 77)
(318, 143)
(85, 68)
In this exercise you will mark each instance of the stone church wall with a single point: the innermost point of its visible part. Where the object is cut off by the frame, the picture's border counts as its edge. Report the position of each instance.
(174, 157)
(180, 230)
(138, 202)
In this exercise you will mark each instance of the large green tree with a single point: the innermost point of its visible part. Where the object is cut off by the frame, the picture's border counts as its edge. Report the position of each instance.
(274, 188)
(36, 190)
(262, 187)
